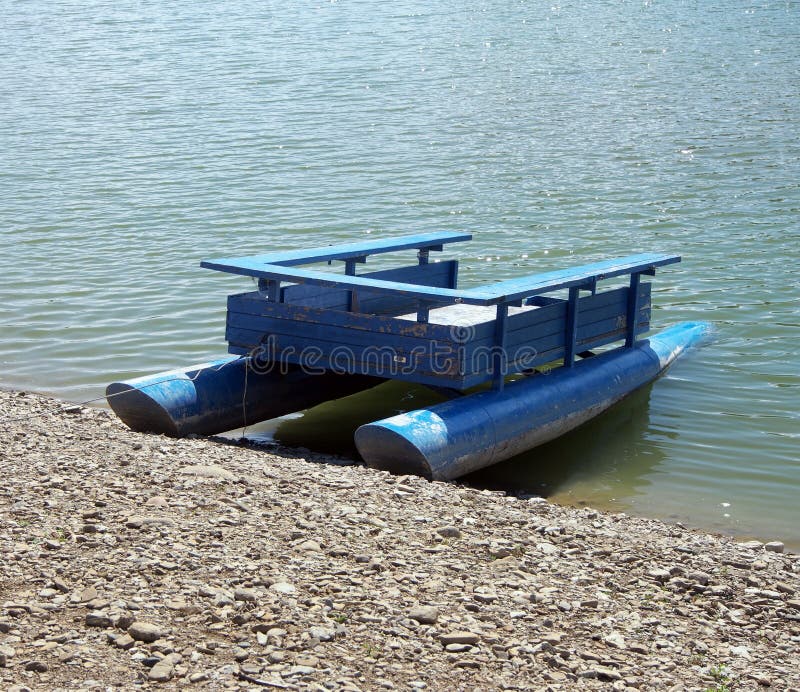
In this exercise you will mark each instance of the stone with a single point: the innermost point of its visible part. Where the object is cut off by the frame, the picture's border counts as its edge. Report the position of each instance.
(97, 618)
(615, 640)
(774, 547)
(459, 637)
(37, 666)
(208, 471)
(449, 532)
(124, 641)
(145, 631)
(310, 547)
(322, 633)
(427, 615)
(162, 671)
(246, 595)
(283, 588)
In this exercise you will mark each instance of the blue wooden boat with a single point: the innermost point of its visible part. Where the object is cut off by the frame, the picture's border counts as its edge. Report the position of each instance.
(310, 334)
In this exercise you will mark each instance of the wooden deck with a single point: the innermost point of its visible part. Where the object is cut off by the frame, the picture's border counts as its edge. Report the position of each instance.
(414, 323)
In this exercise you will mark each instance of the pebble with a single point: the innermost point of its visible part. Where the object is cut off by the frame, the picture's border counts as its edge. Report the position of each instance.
(449, 532)
(97, 619)
(145, 631)
(476, 589)
(162, 671)
(774, 547)
(459, 637)
(427, 615)
(208, 471)
(246, 595)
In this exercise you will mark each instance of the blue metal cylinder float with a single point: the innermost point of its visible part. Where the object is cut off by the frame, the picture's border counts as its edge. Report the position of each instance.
(471, 432)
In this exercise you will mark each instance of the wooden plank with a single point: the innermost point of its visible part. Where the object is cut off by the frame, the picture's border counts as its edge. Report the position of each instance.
(502, 292)
(514, 289)
(246, 303)
(436, 274)
(598, 306)
(289, 258)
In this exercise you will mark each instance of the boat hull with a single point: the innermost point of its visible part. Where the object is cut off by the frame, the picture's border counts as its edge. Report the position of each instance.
(222, 395)
(471, 432)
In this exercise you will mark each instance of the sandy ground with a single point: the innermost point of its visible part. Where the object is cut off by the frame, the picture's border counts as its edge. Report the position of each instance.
(131, 561)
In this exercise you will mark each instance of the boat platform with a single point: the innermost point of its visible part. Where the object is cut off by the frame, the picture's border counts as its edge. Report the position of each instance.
(318, 327)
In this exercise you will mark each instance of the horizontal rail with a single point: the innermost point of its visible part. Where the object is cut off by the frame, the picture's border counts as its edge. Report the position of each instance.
(586, 275)
(500, 293)
(290, 258)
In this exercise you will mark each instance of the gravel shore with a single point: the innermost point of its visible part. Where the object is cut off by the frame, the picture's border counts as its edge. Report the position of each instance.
(138, 561)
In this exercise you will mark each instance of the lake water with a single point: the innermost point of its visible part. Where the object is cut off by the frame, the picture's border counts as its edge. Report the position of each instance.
(137, 138)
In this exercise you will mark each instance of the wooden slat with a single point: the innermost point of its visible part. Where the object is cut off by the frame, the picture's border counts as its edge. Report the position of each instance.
(524, 286)
(289, 258)
(436, 274)
(502, 292)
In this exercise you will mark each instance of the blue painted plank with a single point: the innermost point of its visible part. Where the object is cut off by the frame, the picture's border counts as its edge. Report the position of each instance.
(248, 304)
(436, 274)
(600, 305)
(289, 258)
(502, 292)
(524, 286)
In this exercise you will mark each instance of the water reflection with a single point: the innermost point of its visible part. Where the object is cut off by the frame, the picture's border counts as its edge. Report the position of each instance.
(610, 457)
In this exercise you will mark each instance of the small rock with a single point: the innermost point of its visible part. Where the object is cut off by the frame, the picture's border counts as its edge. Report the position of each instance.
(145, 631)
(283, 587)
(458, 648)
(310, 547)
(615, 639)
(659, 574)
(124, 641)
(246, 595)
(459, 637)
(162, 671)
(426, 615)
(449, 532)
(208, 471)
(37, 666)
(321, 633)
(97, 618)
(774, 547)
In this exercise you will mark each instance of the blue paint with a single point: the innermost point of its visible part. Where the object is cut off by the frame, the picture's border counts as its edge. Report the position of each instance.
(276, 267)
(465, 434)
(221, 395)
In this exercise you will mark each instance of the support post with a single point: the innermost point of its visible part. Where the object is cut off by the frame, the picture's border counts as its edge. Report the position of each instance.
(423, 256)
(271, 288)
(499, 356)
(633, 310)
(571, 332)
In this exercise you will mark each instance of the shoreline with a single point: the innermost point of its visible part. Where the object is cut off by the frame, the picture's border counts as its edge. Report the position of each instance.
(135, 559)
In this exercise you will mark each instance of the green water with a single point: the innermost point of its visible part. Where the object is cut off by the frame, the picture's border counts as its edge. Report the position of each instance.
(138, 138)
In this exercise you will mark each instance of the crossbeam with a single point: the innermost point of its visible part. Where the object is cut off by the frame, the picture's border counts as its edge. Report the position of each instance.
(356, 251)
(503, 292)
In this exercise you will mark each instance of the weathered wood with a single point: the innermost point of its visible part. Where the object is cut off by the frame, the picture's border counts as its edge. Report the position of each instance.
(501, 292)
(357, 251)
